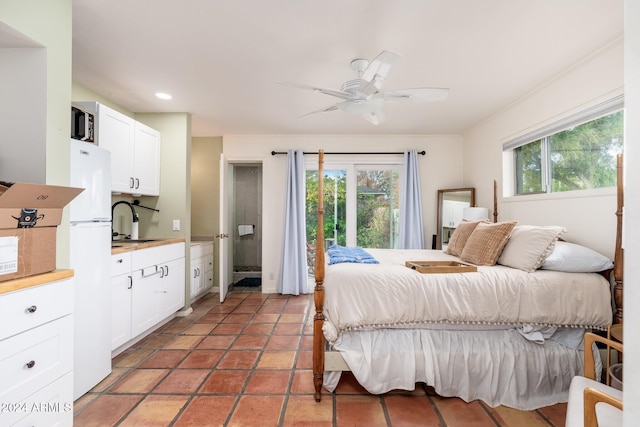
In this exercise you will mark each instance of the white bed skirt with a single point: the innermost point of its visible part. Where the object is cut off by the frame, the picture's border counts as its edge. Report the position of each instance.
(499, 367)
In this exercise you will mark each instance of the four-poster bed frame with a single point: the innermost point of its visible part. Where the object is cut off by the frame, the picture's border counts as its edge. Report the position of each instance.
(320, 355)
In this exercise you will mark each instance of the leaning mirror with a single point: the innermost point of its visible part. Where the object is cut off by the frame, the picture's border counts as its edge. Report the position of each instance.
(451, 204)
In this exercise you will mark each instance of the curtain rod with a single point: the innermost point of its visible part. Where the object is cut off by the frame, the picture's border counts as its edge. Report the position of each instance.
(423, 152)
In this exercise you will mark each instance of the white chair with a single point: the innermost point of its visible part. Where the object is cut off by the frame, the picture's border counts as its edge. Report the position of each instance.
(592, 403)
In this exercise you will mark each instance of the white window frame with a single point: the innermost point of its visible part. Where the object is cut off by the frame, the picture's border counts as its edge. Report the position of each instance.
(544, 133)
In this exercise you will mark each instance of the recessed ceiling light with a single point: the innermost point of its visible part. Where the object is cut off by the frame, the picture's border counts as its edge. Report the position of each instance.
(163, 95)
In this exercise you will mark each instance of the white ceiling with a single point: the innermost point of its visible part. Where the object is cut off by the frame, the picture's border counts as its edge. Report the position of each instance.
(221, 59)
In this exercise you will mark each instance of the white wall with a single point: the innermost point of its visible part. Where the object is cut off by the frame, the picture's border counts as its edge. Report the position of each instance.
(590, 220)
(440, 168)
(632, 215)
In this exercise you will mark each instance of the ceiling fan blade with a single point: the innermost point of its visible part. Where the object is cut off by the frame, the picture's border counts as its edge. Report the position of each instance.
(375, 118)
(322, 110)
(377, 71)
(332, 92)
(419, 94)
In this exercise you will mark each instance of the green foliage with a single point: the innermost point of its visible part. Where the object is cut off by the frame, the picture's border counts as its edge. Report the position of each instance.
(580, 158)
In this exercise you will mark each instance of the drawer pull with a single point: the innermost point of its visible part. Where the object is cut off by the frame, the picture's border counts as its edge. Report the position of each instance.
(31, 309)
(30, 364)
(119, 261)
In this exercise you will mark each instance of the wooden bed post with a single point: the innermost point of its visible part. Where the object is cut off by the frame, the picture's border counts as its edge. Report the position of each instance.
(618, 259)
(495, 201)
(318, 293)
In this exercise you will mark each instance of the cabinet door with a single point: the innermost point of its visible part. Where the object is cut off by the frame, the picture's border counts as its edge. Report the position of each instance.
(121, 310)
(171, 293)
(116, 134)
(146, 161)
(144, 300)
(196, 275)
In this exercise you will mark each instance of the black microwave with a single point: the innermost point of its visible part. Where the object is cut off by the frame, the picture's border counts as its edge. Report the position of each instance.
(82, 124)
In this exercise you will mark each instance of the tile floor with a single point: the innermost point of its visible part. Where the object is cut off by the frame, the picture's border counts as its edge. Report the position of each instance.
(247, 362)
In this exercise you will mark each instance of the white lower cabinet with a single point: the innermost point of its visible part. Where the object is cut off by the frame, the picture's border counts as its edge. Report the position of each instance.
(201, 268)
(151, 290)
(36, 355)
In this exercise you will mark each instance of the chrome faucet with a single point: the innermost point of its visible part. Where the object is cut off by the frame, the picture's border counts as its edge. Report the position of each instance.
(134, 220)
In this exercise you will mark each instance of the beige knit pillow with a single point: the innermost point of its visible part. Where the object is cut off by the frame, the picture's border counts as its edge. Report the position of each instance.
(485, 244)
(459, 237)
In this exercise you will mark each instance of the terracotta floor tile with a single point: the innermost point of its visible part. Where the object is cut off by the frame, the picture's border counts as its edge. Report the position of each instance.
(277, 360)
(305, 411)
(305, 360)
(513, 417)
(228, 329)
(155, 341)
(182, 381)
(265, 318)
(106, 410)
(268, 382)
(140, 381)
(250, 342)
(234, 317)
(556, 414)
(199, 329)
(134, 358)
(226, 308)
(360, 410)
(292, 318)
(307, 343)
(216, 342)
(115, 375)
(186, 342)
(84, 401)
(411, 411)
(247, 308)
(258, 329)
(288, 329)
(209, 411)
(212, 318)
(155, 410)
(283, 342)
(255, 411)
(164, 359)
(245, 359)
(302, 382)
(201, 359)
(456, 411)
(349, 385)
(225, 381)
(174, 328)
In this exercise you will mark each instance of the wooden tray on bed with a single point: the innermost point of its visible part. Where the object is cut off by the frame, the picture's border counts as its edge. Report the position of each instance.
(440, 267)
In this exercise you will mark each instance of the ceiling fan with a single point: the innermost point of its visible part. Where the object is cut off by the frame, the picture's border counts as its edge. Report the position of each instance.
(363, 94)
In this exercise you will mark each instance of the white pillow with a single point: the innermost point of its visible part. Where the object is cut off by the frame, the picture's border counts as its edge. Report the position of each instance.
(574, 258)
(529, 246)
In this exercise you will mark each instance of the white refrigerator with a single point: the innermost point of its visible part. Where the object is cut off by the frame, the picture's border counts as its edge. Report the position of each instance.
(90, 244)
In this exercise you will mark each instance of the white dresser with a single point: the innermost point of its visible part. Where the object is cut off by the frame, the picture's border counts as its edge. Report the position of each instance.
(36, 350)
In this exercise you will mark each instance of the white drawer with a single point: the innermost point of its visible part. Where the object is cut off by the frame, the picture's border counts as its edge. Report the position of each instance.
(201, 248)
(120, 264)
(27, 308)
(143, 258)
(208, 263)
(50, 406)
(31, 360)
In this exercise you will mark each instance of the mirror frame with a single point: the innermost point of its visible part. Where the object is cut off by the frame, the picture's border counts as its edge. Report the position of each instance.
(472, 202)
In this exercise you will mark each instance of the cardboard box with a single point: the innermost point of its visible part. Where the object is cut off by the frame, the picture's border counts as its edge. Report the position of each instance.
(29, 217)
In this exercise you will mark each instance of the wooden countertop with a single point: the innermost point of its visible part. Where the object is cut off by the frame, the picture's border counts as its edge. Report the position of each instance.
(37, 280)
(118, 247)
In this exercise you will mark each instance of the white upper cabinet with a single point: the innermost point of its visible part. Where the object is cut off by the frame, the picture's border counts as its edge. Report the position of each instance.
(135, 152)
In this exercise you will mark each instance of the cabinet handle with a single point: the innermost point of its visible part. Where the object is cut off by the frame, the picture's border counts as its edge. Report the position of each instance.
(130, 282)
(167, 267)
(120, 261)
(31, 309)
(137, 183)
(30, 364)
(161, 272)
(131, 182)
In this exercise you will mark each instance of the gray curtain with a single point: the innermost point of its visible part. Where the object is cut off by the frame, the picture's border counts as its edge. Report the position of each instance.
(293, 267)
(411, 228)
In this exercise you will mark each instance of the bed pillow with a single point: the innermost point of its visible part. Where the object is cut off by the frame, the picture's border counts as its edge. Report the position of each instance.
(529, 246)
(486, 242)
(460, 236)
(574, 258)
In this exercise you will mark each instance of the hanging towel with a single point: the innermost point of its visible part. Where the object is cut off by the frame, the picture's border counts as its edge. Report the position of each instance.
(243, 230)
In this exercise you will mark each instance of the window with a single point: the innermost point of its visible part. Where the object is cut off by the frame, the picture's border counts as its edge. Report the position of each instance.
(578, 153)
(361, 205)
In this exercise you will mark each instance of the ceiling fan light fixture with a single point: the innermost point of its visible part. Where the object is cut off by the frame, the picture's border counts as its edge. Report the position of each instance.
(362, 106)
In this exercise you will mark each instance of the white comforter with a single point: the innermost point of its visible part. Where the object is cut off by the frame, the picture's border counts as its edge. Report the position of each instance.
(388, 295)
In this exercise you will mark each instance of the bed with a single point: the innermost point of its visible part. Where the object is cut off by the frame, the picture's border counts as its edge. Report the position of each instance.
(507, 334)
